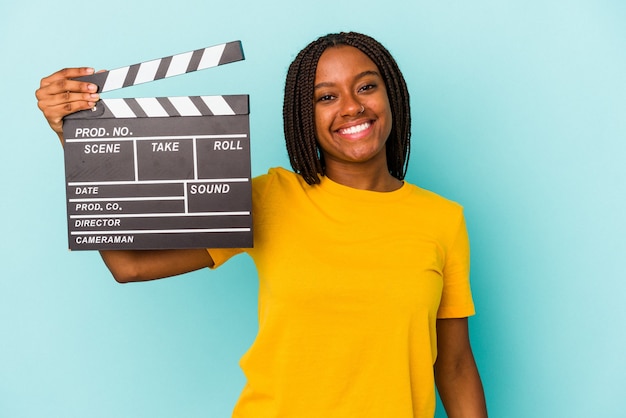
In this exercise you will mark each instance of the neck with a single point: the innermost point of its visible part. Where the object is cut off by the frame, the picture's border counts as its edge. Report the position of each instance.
(363, 178)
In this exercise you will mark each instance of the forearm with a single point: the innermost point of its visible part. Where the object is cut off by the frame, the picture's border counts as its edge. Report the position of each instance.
(460, 388)
(143, 265)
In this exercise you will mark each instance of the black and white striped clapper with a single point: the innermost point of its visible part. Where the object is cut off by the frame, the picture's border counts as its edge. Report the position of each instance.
(160, 172)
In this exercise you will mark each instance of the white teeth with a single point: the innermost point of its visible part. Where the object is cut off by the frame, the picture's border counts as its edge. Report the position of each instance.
(355, 129)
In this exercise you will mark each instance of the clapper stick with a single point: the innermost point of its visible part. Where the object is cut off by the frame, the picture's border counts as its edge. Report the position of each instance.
(152, 107)
(169, 66)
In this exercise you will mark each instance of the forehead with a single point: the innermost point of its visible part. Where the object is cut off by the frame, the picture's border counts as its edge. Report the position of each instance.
(342, 60)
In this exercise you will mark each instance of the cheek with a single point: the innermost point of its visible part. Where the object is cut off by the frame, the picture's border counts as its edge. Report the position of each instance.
(389, 122)
(316, 121)
(389, 115)
(321, 123)
(387, 119)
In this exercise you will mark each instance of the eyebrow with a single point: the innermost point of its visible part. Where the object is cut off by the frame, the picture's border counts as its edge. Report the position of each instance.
(358, 76)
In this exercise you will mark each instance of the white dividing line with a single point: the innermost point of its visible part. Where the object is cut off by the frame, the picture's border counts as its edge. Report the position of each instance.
(161, 215)
(185, 198)
(160, 231)
(157, 138)
(126, 183)
(126, 199)
(195, 160)
(135, 161)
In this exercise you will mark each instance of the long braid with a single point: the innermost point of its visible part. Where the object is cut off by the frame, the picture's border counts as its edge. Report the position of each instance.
(296, 114)
(313, 161)
(299, 121)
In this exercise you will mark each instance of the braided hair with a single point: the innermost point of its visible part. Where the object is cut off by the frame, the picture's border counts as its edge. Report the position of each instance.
(304, 152)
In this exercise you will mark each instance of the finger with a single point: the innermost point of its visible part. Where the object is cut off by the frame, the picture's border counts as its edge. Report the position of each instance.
(55, 114)
(56, 106)
(62, 86)
(66, 73)
(70, 101)
(59, 84)
(82, 100)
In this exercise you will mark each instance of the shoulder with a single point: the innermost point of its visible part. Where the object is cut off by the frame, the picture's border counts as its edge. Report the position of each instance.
(275, 194)
(432, 201)
(276, 173)
(444, 217)
(277, 178)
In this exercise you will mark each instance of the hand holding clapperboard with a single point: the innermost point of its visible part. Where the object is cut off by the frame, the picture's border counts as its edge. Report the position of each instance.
(160, 172)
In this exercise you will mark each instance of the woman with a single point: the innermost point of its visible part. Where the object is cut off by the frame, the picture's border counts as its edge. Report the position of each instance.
(364, 278)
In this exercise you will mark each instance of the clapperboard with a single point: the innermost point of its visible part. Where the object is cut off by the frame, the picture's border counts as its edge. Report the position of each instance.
(160, 172)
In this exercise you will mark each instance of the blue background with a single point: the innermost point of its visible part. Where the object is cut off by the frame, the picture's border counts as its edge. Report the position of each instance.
(519, 114)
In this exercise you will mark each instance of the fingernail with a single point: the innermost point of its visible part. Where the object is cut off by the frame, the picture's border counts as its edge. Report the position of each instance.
(89, 70)
(95, 96)
(92, 87)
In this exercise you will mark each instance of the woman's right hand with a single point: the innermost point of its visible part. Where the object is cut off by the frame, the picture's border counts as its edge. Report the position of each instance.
(59, 95)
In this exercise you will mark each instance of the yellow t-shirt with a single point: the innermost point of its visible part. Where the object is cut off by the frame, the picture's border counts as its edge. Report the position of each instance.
(351, 284)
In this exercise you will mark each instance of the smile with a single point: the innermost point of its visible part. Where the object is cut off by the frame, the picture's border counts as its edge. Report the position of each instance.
(355, 129)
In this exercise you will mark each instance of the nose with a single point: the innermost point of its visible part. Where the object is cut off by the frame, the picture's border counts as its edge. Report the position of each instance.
(352, 106)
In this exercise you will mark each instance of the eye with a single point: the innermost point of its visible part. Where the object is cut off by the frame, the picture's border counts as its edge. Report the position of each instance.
(367, 87)
(325, 98)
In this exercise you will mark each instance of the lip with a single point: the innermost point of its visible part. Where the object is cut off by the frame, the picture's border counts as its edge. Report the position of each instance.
(355, 130)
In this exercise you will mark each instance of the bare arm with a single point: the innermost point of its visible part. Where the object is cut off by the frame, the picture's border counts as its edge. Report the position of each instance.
(141, 265)
(456, 373)
(58, 96)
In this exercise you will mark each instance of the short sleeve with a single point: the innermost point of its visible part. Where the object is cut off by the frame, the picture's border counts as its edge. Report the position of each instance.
(222, 255)
(456, 299)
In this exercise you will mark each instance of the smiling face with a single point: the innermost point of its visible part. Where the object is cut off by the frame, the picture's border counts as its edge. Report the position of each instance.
(352, 113)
